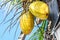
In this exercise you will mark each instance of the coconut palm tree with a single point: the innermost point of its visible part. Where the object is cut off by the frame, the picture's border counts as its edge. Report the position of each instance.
(19, 6)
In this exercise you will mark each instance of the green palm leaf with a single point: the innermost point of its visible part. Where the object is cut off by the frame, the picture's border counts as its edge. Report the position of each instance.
(39, 34)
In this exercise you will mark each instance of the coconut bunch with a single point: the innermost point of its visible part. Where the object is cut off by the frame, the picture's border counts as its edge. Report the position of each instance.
(37, 9)
(33, 9)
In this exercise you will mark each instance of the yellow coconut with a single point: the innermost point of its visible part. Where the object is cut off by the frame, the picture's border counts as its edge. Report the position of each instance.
(39, 9)
(27, 22)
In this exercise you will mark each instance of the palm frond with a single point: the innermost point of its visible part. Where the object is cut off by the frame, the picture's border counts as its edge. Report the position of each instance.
(8, 27)
(13, 17)
(10, 11)
(16, 30)
(4, 3)
(39, 34)
(13, 23)
(6, 14)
